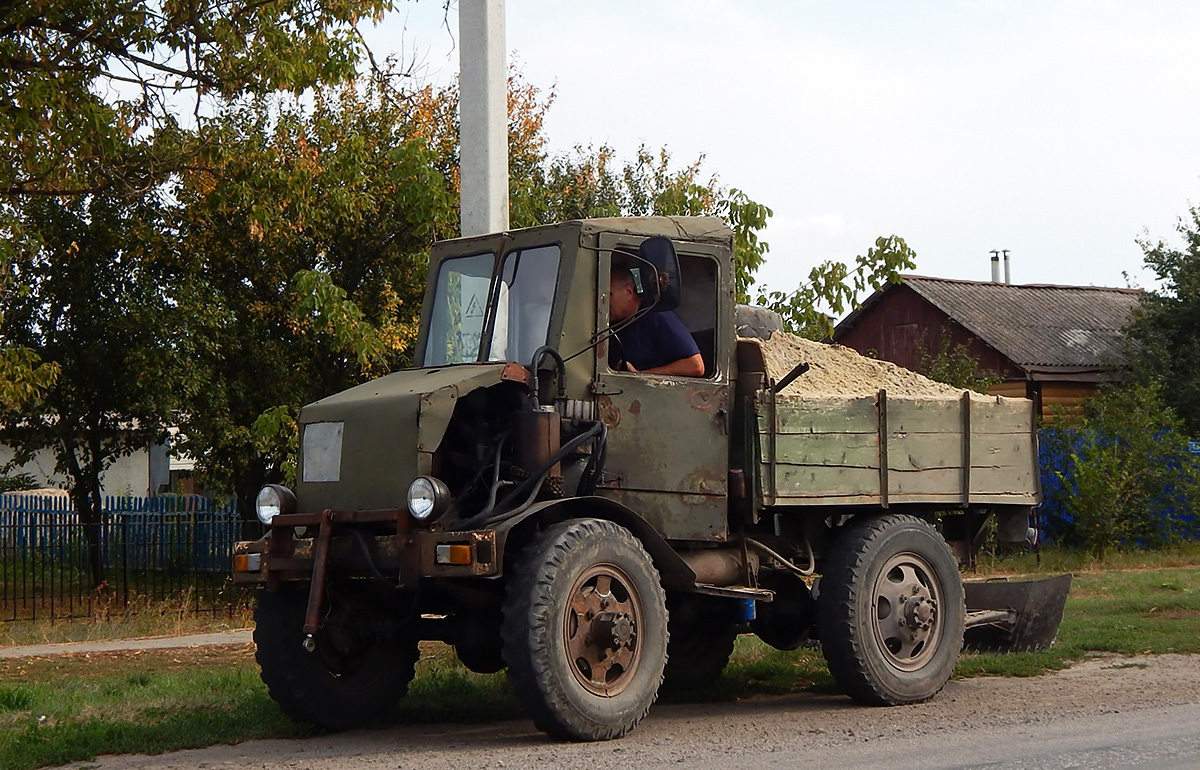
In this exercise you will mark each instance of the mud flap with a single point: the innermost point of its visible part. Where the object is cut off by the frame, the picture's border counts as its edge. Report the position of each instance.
(1016, 616)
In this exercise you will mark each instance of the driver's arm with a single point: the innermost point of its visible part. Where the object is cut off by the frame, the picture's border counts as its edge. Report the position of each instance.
(692, 366)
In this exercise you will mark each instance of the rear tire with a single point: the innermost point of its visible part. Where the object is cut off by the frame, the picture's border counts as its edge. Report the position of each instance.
(891, 611)
(352, 679)
(585, 630)
(701, 644)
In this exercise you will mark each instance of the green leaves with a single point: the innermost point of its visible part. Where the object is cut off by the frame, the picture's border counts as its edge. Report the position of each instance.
(1162, 341)
(86, 86)
(953, 365)
(747, 218)
(321, 308)
(308, 234)
(835, 288)
(24, 378)
(591, 182)
(278, 427)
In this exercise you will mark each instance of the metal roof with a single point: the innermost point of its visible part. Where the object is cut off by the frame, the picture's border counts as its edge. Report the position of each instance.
(1039, 327)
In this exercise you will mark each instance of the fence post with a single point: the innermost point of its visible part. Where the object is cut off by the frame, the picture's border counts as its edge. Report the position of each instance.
(123, 522)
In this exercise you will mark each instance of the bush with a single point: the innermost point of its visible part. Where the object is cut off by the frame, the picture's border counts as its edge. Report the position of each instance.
(1120, 474)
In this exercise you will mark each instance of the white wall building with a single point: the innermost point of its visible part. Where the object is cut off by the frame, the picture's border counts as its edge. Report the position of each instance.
(142, 474)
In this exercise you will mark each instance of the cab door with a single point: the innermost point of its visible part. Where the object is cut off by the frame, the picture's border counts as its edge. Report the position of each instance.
(668, 443)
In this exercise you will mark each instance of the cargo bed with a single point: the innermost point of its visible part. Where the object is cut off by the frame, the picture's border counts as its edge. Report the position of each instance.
(888, 450)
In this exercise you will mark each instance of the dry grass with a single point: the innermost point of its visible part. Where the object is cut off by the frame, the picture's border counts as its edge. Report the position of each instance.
(143, 617)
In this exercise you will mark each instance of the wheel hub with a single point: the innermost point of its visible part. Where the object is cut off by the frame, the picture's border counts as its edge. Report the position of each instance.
(906, 611)
(920, 614)
(612, 630)
(601, 630)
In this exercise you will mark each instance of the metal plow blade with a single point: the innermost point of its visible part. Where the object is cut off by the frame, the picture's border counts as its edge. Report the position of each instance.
(1015, 616)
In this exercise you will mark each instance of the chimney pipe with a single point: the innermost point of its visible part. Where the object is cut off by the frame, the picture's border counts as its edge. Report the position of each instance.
(1007, 273)
(995, 266)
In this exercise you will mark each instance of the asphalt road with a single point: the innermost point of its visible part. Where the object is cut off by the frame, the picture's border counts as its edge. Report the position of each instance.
(1104, 713)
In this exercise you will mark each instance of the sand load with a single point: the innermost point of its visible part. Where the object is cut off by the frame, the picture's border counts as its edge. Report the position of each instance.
(837, 371)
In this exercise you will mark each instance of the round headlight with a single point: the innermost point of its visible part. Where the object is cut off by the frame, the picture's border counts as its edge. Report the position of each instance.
(273, 500)
(427, 498)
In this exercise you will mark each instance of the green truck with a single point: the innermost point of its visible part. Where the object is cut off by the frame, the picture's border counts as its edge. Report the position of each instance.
(602, 533)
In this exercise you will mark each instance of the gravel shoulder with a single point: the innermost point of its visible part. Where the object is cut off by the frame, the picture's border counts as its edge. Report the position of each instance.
(217, 638)
(799, 730)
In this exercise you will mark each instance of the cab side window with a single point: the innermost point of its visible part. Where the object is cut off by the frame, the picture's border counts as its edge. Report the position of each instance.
(680, 342)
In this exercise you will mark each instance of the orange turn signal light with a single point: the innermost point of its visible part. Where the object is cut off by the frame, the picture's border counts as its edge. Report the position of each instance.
(458, 554)
(247, 562)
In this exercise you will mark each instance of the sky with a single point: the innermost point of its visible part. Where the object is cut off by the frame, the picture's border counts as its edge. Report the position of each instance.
(1061, 130)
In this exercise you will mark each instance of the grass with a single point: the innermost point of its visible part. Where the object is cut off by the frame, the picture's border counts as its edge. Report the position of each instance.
(72, 708)
(1055, 561)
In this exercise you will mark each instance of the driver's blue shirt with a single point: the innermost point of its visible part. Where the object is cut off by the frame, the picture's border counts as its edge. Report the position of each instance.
(653, 340)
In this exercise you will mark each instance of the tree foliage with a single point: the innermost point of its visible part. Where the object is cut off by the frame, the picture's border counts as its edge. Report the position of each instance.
(836, 287)
(593, 182)
(23, 376)
(87, 86)
(1163, 338)
(953, 365)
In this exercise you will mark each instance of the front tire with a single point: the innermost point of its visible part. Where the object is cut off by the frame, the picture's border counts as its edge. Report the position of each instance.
(891, 611)
(585, 630)
(354, 677)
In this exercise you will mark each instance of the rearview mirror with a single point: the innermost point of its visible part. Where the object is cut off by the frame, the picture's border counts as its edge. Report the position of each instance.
(667, 291)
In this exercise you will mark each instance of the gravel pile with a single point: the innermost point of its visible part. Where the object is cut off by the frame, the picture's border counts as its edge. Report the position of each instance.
(837, 371)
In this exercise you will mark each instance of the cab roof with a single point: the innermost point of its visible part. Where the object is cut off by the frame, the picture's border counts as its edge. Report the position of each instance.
(696, 229)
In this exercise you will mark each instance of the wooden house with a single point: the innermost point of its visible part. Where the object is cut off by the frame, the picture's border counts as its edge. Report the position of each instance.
(1051, 344)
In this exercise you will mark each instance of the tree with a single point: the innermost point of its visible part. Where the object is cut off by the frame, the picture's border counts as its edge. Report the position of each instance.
(23, 374)
(835, 287)
(91, 94)
(92, 303)
(1162, 340)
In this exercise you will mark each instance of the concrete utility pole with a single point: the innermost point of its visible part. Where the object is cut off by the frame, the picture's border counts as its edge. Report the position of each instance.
(483, 117)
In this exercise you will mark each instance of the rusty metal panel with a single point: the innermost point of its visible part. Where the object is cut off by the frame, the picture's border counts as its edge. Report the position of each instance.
(483, 553)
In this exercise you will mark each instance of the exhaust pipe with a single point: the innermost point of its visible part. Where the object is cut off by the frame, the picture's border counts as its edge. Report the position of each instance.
(719, 566)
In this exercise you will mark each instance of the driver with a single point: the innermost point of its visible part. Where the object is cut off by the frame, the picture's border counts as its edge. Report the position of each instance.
(655, 342)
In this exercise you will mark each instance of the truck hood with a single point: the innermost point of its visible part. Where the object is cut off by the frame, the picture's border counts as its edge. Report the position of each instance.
(361, 448)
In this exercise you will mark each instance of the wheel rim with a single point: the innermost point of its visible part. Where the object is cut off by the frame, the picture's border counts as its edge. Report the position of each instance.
(601, 629)
(906, 616)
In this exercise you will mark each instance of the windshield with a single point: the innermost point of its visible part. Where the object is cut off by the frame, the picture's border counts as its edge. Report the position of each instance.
(522, 301)
(459, 302)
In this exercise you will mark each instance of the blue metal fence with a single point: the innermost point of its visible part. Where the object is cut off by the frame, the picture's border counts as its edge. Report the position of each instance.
(1171, 513)
(163, 548)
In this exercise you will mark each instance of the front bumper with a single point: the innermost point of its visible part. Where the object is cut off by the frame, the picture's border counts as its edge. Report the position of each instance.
(313, 546)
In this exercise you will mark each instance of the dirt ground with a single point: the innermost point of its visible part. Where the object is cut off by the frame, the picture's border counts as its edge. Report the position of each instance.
(795, 730)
